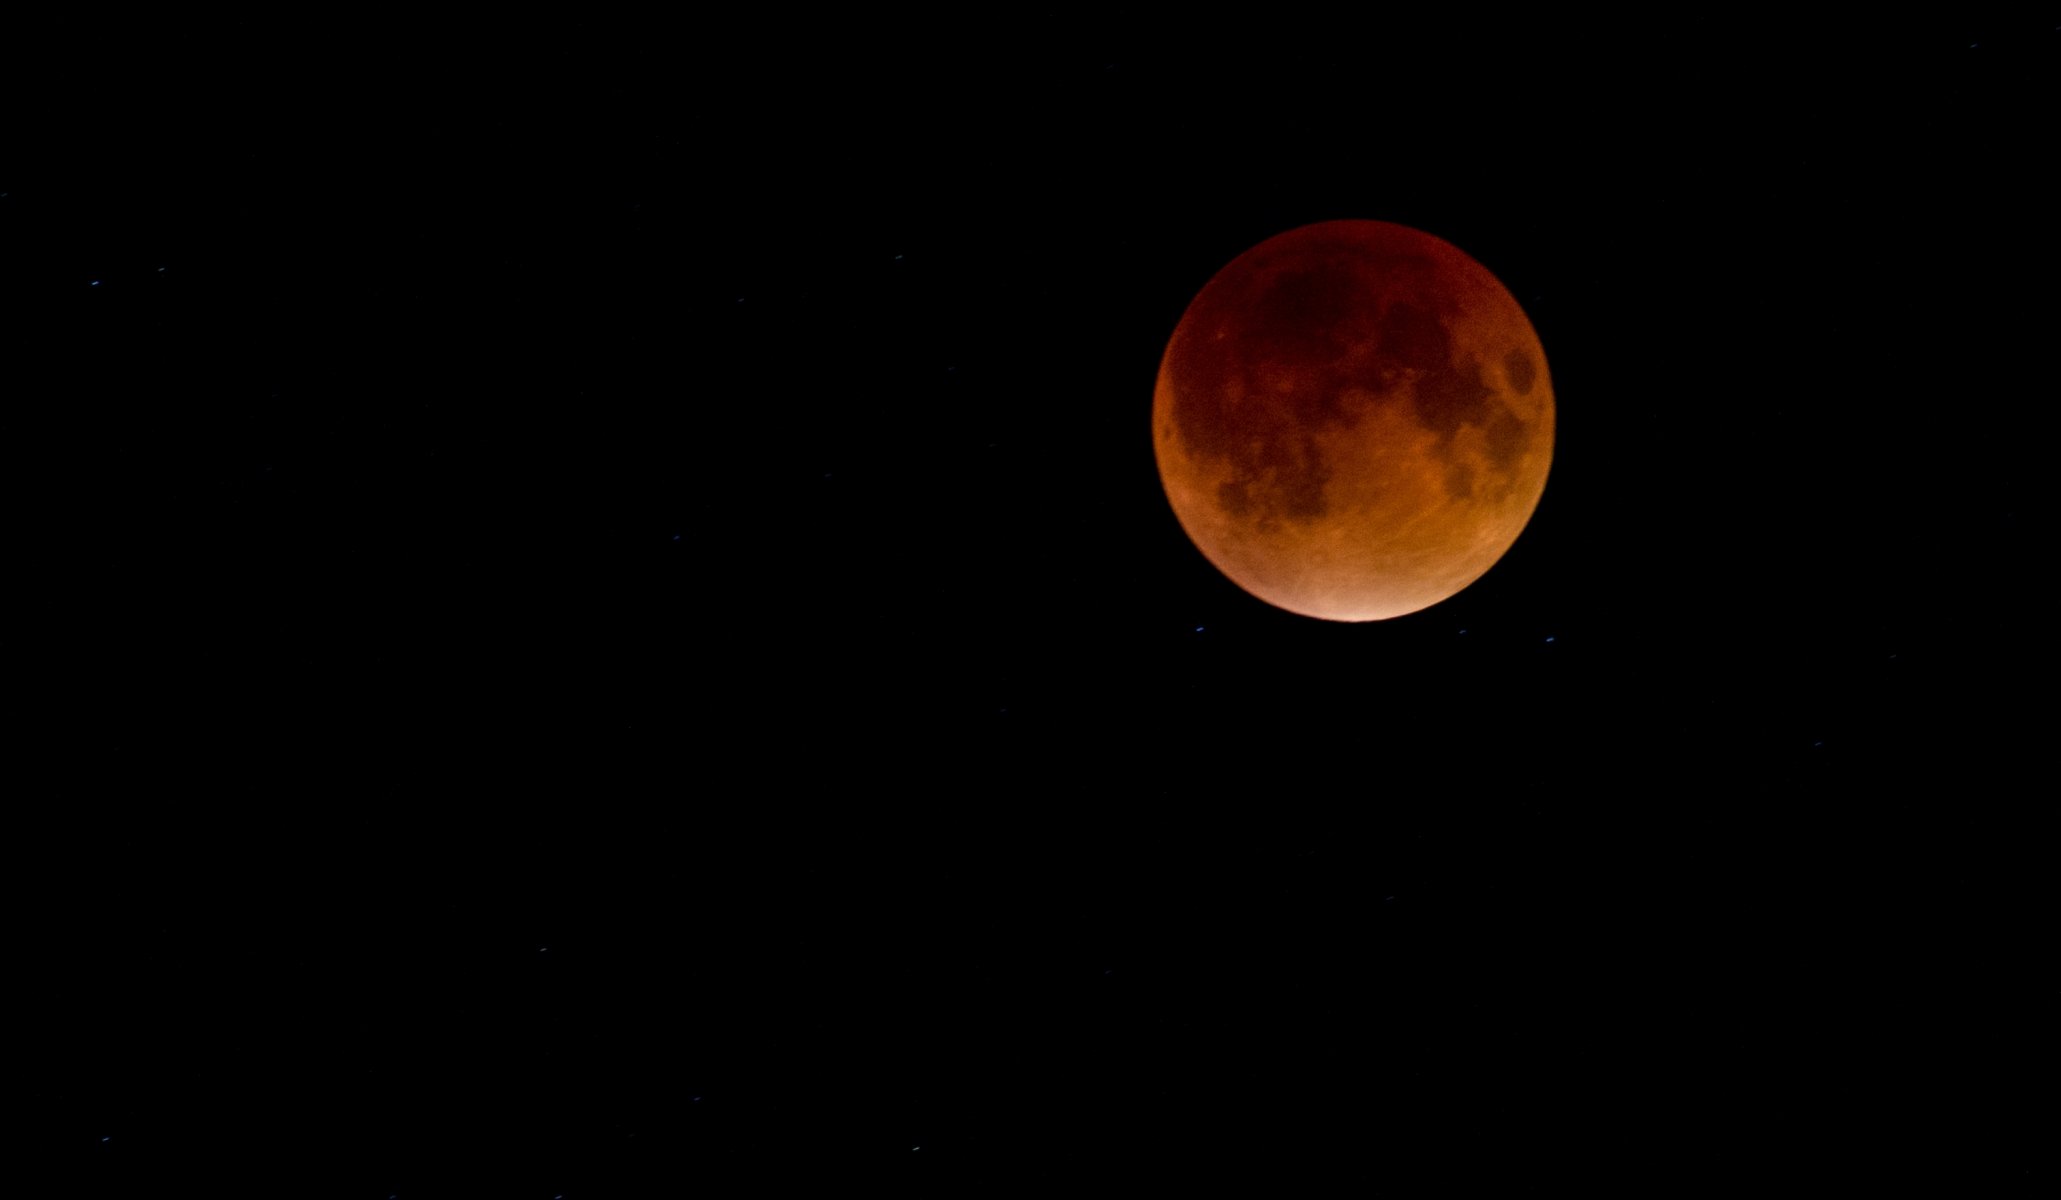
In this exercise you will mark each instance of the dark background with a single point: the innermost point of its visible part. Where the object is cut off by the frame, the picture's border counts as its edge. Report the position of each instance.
(599, 618)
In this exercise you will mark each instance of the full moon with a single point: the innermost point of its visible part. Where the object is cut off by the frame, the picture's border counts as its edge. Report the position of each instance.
(1353, 420)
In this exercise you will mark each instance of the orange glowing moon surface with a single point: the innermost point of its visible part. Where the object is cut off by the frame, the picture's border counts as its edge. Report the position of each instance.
(1353, 420)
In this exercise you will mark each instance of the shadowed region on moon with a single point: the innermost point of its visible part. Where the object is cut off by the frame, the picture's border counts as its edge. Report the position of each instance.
(1517, 366)
(1328, 433)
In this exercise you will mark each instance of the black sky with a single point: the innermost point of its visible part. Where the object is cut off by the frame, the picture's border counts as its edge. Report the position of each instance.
(602, 619)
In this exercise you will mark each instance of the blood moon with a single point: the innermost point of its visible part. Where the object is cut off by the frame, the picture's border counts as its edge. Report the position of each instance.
(1353, 420)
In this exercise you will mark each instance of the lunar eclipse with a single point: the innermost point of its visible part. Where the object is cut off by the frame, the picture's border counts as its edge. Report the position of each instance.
(1353, 420)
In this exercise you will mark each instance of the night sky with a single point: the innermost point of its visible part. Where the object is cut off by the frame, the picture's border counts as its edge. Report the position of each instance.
(600, 619)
